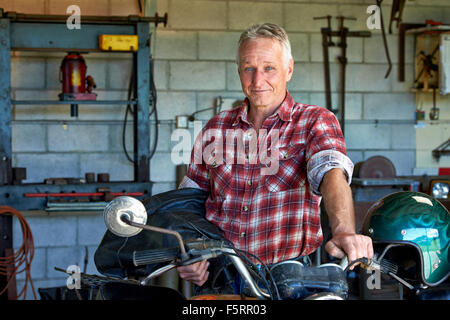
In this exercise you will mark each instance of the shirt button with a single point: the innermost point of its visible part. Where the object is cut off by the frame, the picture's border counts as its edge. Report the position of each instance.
(242, 234)
(249, 182)
(245, 208)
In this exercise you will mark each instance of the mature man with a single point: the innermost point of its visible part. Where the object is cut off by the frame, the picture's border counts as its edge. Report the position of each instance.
(275, 214)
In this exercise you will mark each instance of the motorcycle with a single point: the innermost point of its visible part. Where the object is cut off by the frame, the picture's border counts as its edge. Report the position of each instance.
(140, 246)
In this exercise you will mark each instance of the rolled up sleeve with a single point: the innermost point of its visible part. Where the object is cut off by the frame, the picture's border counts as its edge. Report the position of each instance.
(323, 161)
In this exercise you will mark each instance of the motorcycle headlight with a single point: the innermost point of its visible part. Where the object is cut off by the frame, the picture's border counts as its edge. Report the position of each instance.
(439, 189)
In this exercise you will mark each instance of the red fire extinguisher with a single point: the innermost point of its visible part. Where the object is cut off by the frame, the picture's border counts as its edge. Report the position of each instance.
(73, 78)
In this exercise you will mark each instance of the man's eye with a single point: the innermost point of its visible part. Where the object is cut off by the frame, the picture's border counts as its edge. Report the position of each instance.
(269, 68)
(249, 69)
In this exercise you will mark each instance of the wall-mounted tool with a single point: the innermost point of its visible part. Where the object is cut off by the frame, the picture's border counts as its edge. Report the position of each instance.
(75, 84)
(383, 33)
(343, 33)
(396, 13)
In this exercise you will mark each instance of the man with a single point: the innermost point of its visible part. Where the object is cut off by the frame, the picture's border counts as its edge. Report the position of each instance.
(274, 214)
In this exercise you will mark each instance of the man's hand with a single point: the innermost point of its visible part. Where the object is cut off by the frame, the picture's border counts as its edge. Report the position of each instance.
(355, 246)
(338, 201)
(196, 273)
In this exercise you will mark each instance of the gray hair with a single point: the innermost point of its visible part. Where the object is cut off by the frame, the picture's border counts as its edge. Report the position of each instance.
(267, 30)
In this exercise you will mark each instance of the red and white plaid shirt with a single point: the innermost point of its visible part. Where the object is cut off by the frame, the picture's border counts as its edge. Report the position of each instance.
(272, 214)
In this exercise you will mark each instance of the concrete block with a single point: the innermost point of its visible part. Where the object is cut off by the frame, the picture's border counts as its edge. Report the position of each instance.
(374, 51)
(301, 97)
(90, 267)
(242, 14)
(425, 171)
(310, 77)
(48, 165)
(299, 17)
(115, 137)
(355, 156)
(91, 229)
(116, 164)
(360, 13)
(424, 159)
(52, 67)
(354, 50)
(197, 14)
(119, 73)
(162, 169)
(367, 137)
(366, 78)
(353, 103)
(218, 45)
(39, 284)
(28, 137)
(27, 73)
(38, 265)
(404, 86)
(209, 99)
(404, 161)
(418, 14)
(199, 75)
(39, 112)
(24, 6)
(432, 3)
(48, 231)
(161, 74)
(403, 137)
(88, 8)
(429, 137)
(389, 106)
(171, 104)
(233, 82)
(7, 5)
(300, 42)
(171, 44)
(77, 138)
(62, 257)
(104, 111)
(123, 8)
(164, 132)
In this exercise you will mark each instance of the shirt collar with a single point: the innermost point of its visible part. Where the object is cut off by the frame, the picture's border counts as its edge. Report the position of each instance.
(284, 111)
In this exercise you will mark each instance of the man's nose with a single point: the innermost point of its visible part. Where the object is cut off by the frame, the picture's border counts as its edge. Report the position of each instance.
(258, 78)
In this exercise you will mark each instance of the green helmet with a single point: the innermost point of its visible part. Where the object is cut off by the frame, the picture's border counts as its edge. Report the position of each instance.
(418, 220)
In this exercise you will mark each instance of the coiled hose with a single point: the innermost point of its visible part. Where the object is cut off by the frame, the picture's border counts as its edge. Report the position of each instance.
(21, 260)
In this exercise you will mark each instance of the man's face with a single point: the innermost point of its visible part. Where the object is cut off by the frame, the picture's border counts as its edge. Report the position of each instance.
(263, 72)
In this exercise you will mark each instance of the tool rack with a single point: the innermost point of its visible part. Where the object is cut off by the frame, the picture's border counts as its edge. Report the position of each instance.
(26, 32)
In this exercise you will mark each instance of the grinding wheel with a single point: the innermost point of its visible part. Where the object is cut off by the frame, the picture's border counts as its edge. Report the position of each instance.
(375, 167)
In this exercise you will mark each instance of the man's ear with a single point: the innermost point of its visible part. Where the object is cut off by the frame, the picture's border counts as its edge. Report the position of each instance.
(290, 70)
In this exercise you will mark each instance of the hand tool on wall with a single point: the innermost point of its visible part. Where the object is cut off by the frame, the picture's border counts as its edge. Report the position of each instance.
(396, 13)
(326, 43)
(383, 33)
(343, 33)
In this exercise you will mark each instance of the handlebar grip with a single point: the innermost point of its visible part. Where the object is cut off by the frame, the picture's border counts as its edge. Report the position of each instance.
(154, 256)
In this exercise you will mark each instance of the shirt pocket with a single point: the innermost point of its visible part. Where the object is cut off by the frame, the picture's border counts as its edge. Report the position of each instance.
(220, 176)
(291, 173)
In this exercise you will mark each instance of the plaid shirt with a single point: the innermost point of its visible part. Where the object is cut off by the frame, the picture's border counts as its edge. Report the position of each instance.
(272, 214)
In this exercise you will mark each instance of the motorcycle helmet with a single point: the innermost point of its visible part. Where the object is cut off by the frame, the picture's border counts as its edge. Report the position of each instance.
(413, 220)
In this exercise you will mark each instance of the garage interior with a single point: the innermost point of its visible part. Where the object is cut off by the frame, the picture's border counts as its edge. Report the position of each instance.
(388, 86)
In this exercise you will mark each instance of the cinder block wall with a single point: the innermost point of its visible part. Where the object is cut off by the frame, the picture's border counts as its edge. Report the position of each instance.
(194, 64)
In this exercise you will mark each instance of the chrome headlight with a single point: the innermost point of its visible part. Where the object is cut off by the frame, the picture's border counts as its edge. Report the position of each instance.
(439, 189)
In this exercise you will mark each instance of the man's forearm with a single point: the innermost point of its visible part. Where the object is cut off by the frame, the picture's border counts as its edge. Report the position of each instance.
(338, 201)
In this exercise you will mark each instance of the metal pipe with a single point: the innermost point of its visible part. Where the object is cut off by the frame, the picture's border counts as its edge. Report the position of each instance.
(157, 229)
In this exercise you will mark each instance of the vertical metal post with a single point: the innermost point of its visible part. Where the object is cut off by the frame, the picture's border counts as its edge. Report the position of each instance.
(142, 108)
(5, 138)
